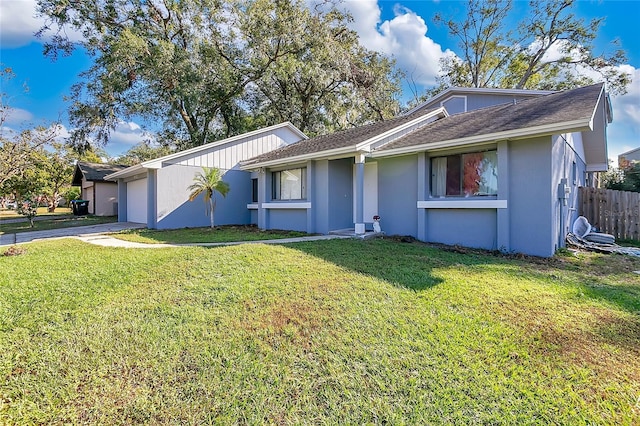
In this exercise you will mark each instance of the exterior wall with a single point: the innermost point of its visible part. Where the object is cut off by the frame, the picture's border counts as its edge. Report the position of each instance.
(105, 202)
(228, 156)
(478, 101)
(455, 103)
(397, 194)
(531, 212)
(569, 170)
(174, 210)
(465, 227)
(290, 219)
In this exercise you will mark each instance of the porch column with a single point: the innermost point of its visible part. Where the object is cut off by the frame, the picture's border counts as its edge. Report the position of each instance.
(122, 201)
(503, 240)
(359, 195)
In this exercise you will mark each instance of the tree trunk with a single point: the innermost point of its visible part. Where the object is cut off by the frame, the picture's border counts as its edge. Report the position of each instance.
(212, 205)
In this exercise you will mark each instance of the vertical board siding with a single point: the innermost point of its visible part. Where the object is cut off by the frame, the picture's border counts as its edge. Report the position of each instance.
(612, 212)
(227, 157)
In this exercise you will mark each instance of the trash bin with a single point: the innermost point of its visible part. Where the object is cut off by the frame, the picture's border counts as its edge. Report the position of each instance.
(80, 207)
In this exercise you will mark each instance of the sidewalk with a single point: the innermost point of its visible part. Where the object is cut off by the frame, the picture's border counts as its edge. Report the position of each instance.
(96, 234)
(76, 231)
(109, 241)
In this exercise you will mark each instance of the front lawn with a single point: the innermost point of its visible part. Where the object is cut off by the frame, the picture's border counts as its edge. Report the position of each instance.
(222, 234)
(337, 332)
(53, 223)
(42, 211)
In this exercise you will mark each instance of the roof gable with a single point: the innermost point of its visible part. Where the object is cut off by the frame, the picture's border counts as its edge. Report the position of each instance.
(284, 133)
(94, 172)
(362, 138)
(571, 110)
(453, 92)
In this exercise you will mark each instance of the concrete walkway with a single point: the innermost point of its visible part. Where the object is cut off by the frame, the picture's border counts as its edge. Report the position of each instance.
(76, 231)
(98, 235)
(109, 241)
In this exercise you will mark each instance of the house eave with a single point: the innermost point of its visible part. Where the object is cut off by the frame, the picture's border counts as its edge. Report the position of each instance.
(547, 130)
(332, 153)
(129, 171)
(366, 145)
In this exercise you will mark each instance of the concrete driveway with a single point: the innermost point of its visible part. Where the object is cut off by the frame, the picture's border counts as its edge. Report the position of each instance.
(77, 231)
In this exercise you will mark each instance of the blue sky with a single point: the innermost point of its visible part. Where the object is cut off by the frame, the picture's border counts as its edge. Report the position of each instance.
(402, 29)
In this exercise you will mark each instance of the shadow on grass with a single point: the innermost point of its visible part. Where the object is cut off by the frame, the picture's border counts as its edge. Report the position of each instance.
(409, 265)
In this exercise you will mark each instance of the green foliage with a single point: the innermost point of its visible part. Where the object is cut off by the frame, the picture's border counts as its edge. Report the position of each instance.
(72, 193)
(551, 50)
(331, 332)
(626, 178)
(201, 69)
(142, 152)
(28, 208)
(207, 183)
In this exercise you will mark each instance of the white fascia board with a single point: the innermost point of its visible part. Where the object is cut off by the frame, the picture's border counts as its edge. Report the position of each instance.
(156, 163)
(525, 133)
(595, 109)
(366, 145)
(598, 167)
(129, 171)
(332, 153)
(462, 204)
(287, 205)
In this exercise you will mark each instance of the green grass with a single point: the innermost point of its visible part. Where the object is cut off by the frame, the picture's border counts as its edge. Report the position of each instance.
(337, 332)
(42, 211)
(223, 234)
(43, 225)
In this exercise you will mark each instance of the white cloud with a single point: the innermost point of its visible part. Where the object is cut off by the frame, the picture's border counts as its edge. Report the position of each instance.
(128, 133)
(403, 38)
(19, 23)
(17, 117)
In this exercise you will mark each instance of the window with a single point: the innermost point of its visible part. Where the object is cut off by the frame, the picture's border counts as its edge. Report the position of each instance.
(290, 184)
(254, 190)
(465, 175)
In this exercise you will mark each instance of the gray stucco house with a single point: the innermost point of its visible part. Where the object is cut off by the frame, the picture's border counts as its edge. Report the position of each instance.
(155, 192)
(503, 176)
(487, 168)
(632, 156)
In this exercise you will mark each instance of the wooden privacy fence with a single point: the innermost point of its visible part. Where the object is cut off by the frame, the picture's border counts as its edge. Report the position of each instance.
(613, 212)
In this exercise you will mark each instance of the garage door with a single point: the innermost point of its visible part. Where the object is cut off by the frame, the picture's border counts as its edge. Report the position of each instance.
(137, 201)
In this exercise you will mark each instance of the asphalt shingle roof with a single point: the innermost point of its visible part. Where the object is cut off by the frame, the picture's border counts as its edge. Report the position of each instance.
(341, 139)
(567, 106)
(544, 110)
(94, 171)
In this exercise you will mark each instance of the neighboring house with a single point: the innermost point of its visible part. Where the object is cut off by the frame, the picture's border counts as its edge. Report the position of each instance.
(632, 156)
(499, 177)
(102, 194)
(156, 192)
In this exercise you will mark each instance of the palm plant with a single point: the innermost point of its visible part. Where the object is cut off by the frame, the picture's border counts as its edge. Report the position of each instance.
(208, 182)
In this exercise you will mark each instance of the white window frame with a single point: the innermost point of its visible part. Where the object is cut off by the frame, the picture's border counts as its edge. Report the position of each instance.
(433, 160)
(276, 184)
